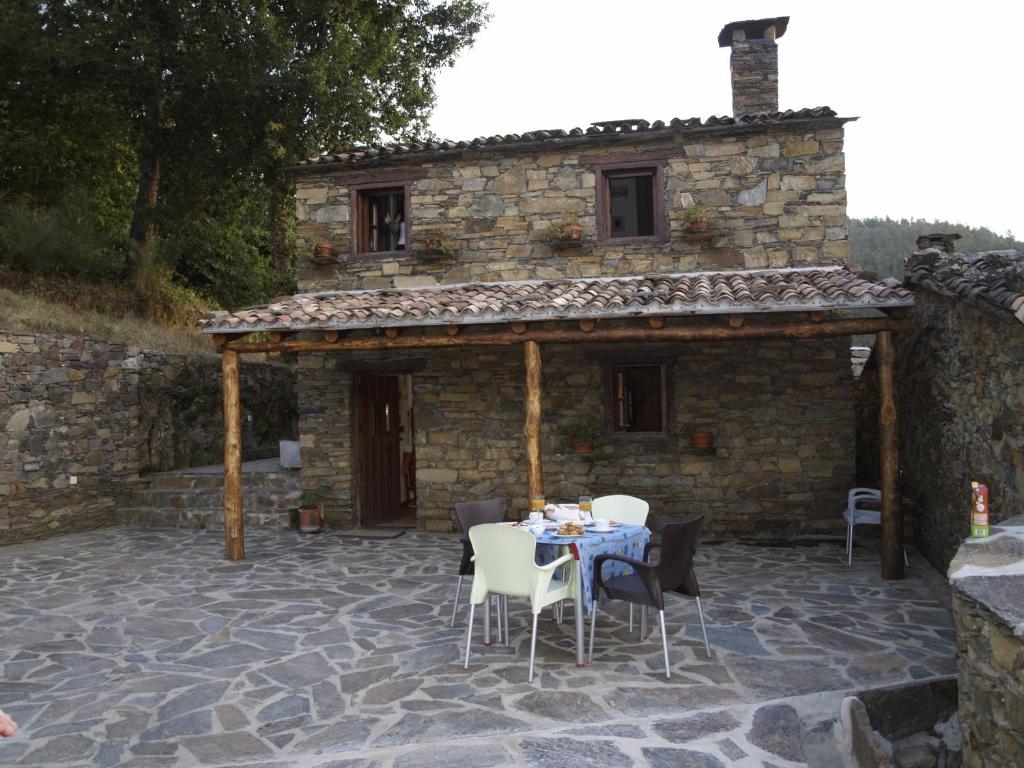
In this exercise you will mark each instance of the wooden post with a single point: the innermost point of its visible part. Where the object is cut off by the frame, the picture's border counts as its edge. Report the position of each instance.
(234, 533)
(892, 515)
(531, 427)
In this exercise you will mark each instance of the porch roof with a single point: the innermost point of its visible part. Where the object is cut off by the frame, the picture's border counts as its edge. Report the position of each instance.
(691, 293)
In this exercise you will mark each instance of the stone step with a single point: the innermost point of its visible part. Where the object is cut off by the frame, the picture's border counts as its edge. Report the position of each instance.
(196, 500)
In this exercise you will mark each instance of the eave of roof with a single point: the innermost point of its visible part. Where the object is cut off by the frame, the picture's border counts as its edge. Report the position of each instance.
(562, 301)
(612, 131)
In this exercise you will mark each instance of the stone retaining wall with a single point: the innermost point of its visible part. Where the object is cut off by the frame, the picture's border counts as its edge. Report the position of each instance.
(988, 604)
(81, 418)
(781, 413)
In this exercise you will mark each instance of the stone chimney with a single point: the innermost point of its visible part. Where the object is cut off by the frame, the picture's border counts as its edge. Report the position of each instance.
(754, 63)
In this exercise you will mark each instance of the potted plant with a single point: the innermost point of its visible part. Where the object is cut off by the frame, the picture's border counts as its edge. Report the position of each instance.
(696, 219)
(565, 229)
(438, 245)
(323, 252)
(311, 511)
(702, 440)
(582, 436)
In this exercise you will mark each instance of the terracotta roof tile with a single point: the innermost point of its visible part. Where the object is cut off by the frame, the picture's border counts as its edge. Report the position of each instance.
(991, 280)
(678, 294)
(364, 155)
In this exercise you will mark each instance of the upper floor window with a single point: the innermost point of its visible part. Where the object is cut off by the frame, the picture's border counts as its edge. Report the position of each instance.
(381, 219)
(630, 204)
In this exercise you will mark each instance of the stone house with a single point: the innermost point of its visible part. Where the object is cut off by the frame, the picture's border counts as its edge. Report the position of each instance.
(441, 264)
(962, 392)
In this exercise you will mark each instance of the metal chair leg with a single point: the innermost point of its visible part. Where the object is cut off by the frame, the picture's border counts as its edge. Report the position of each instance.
(469, 634)
(497, 611)
(458, 592)
(533, 646)
(593, 626)
(664, 643)
(643, 622)
(631, 618)
(504, 608)
(703, 629)
(849, 545)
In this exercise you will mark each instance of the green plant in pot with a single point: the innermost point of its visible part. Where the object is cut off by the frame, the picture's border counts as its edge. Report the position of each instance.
(438, 244)
(565, 228)
(311, 510)
(583, 436)
(696, 218)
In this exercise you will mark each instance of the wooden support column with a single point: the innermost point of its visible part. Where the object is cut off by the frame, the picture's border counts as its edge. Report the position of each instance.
(892, 515)
(234, 533)
(531, 427)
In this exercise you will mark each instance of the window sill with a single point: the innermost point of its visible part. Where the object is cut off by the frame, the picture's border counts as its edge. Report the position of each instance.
(639, 437)
(646, 239)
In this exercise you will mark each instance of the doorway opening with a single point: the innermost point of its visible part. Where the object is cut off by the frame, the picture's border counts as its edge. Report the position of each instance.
(385, 449)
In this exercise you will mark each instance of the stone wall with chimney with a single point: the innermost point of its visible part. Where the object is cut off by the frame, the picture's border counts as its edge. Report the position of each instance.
(776, 197)
(754, 64)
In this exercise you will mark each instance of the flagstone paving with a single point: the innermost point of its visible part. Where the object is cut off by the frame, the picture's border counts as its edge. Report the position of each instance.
(126, 647)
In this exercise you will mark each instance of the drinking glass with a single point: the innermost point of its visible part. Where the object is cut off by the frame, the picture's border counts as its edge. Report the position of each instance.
(586, 504)
(537, 504)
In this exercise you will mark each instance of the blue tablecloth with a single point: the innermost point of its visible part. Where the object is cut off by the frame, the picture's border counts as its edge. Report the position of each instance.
(628, 540)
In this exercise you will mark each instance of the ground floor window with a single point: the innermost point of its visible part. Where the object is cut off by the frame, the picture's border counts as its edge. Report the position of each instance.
(639, 400)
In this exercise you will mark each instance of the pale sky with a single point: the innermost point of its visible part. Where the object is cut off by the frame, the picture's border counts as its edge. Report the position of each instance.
(937, 86)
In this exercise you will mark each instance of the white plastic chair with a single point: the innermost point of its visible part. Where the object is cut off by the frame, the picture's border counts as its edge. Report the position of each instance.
(620, 508)
(505, 560)
(858, 514)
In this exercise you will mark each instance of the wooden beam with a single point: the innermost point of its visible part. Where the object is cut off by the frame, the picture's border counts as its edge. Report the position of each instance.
(392, 333)
(453, 330)
(633, 334)
(736, 321)
(897, 312)
(588, 325)
(892, 515)
(518, 327)
(333, 336)
(817, 317)
(234, 532)
(656, 322)
(531, 425)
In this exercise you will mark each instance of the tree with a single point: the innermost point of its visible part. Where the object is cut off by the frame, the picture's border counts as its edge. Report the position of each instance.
(216, 99)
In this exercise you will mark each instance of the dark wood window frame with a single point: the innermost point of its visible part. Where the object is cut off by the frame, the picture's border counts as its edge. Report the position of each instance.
(609, 366)
(356, 217)
(604, 171)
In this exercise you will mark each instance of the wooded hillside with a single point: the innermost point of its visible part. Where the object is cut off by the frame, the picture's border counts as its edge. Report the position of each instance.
(881, 245)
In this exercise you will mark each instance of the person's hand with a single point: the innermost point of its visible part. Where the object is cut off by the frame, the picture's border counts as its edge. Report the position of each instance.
(7, 725)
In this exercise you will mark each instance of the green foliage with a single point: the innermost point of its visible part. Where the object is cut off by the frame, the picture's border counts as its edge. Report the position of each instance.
(880, 246)
(64, 239)
(583, 431)
(202, 107)
(312, 498)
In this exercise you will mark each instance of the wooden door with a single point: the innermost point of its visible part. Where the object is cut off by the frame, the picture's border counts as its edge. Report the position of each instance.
(379, 445)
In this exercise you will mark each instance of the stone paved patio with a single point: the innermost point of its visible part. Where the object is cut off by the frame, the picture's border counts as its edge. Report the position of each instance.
(128, 647)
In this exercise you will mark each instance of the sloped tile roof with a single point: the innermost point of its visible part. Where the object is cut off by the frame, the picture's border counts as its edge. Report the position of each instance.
(992, 280)
(692, 293)
(595, 131)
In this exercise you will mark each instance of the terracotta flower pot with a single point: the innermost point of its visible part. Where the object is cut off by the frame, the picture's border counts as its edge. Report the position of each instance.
(309, 519)
(702, 440)
(583, 446)
(323, 252)
(575, 231)
(698, 225)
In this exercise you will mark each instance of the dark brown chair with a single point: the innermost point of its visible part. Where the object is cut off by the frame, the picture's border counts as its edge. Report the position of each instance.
(470, 513)
(647, 585)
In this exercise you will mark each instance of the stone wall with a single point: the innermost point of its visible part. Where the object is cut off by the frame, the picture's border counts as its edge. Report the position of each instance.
(962, 418)
(988, 606)
(781, 413)
(776, 195)
(81, 418)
